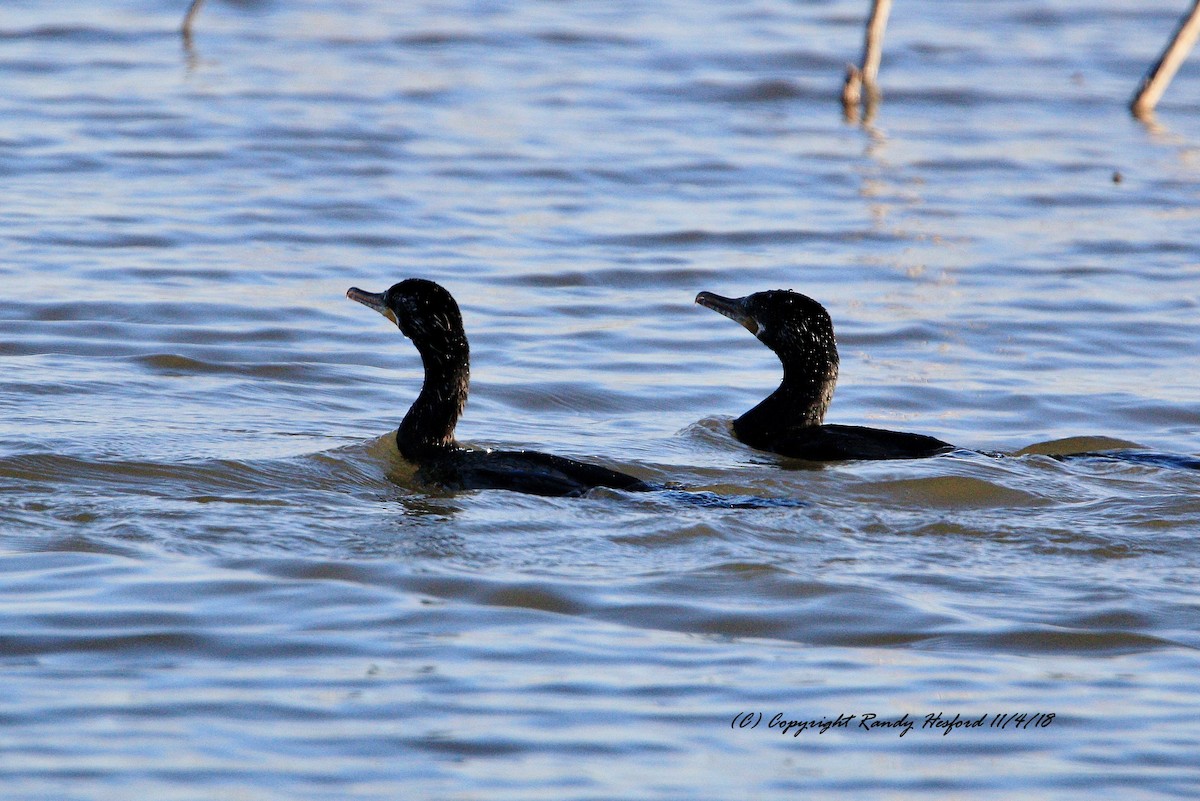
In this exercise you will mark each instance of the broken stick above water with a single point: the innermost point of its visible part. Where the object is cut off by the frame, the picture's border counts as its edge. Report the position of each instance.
(1159, 77)
(865, 77)
(193, 9)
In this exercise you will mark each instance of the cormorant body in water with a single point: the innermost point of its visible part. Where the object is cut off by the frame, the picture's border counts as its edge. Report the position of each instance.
(790, 421)
(427, 314)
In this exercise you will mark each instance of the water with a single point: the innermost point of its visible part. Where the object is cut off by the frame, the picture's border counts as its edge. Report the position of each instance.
(218, 579)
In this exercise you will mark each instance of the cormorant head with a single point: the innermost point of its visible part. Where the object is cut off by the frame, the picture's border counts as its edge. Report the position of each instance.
(424, 311)
(795, 326)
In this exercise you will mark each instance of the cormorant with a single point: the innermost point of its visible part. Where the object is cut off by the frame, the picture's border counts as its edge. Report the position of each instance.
(790, 421)
(427, 314)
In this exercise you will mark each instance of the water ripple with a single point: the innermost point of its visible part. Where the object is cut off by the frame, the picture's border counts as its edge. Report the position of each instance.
(219, 578)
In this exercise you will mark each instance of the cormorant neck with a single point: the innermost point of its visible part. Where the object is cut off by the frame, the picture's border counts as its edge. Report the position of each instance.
(800, 402)
(428, 428)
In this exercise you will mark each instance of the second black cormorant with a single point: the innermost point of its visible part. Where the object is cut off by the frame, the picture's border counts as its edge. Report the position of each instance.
(790, 421)
(427, 314)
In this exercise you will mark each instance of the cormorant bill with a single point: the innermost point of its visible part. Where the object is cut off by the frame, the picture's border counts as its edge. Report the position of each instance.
(790, 421)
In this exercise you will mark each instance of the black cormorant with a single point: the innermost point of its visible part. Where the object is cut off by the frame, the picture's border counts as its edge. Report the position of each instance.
(427, 314)
(790, 421)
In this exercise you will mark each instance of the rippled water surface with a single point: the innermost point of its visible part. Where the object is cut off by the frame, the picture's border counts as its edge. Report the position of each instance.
(219, 580)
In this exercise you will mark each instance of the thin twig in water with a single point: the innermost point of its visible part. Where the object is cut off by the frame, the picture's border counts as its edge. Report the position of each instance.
(194, 9)
(1156, 81)
(866, 77)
